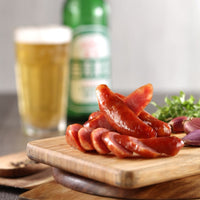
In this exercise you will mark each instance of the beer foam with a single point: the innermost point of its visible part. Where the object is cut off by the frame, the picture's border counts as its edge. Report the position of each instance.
(43, 35)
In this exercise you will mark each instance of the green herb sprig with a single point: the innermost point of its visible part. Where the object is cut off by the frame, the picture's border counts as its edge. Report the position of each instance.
(177, 106)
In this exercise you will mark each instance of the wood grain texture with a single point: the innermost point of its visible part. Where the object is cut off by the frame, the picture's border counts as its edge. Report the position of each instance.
(124, 173)
(52, 191)
(28, 182)
(185, 188)
(174, 190)
(18, 165)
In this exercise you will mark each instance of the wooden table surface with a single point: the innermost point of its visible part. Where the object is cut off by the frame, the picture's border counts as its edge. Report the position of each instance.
(13, 140)
(11, 137)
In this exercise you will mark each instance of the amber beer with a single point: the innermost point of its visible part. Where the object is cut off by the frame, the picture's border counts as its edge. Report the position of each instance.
(42, 74)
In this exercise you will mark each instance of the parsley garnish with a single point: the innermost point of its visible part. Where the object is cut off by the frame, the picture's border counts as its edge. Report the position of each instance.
(177, 106)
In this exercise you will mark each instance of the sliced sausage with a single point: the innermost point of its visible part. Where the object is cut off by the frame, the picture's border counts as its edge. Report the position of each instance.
(98, 144)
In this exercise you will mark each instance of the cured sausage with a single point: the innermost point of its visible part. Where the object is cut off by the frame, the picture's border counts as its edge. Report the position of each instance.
(123, 128)
(151, 147)
(120, 116)
(135, 145)
(136, 101)
(72, 136)
(98, 120)
(105, 142)
(99, 145)
(162, 129)
(84, 136)
(164, 145)
(133, 101)
(117, 149)
(139, 98)
(94, 115)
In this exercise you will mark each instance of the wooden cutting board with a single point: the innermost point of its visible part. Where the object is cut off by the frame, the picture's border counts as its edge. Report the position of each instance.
(77, 187)
(123, 173)
(52, 191)
(185, 188)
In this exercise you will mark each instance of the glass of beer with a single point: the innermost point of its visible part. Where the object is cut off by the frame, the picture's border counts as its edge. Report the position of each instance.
(41, 74)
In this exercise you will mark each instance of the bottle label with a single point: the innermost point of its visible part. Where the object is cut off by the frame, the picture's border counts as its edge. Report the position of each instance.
(89, 67)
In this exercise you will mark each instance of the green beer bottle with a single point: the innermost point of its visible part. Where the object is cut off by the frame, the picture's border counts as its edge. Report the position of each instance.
(90, 59)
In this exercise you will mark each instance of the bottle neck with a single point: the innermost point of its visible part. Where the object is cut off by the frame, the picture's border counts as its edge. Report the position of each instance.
(85, 12)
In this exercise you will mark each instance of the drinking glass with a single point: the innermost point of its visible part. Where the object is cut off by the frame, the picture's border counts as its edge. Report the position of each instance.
(42, 76)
